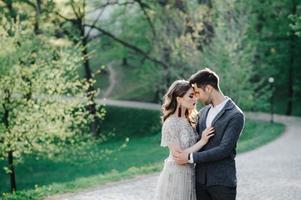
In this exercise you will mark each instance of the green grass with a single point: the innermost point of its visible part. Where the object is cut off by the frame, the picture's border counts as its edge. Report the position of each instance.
(129, 86)
(142, 154)
(132, 86)
(126, 122)
(258, 133)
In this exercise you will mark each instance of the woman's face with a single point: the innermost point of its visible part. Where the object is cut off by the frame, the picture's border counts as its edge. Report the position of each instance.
(188, 100)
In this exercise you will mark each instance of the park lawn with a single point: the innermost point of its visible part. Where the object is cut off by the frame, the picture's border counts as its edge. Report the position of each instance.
(141, 154)
(258, 133)
(131, 86)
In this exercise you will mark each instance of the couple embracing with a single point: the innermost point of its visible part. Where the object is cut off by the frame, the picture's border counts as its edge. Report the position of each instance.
(202, 145)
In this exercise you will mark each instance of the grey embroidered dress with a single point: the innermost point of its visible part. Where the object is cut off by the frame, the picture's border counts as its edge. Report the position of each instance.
(176, 182)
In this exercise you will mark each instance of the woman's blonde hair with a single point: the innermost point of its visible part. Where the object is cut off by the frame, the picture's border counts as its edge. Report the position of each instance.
(177, 89)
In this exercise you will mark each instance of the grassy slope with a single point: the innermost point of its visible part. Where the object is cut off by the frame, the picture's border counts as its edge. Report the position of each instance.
(130, 83)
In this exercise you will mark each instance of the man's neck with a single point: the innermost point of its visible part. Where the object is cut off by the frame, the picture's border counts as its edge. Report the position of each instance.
(217, 98)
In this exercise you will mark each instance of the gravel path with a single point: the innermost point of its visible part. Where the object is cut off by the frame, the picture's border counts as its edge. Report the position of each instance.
(271, 172)
(112, 80)
(128, 104)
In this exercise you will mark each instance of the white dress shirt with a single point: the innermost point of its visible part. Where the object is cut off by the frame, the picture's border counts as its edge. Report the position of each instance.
(213, 111)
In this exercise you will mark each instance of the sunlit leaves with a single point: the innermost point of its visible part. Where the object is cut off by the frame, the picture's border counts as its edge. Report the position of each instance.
(41, 93)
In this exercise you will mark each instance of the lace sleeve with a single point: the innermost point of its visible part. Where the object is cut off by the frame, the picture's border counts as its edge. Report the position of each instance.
(169, 134)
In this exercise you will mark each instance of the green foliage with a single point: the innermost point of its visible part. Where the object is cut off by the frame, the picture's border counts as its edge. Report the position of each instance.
(178, 40)
(231, 54)
(296, 24)
(37, 80)
(277, 50)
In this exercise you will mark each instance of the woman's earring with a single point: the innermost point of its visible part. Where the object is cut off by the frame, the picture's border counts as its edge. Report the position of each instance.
(179, 111)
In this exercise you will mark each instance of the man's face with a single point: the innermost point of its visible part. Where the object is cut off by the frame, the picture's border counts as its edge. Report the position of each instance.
(203, 94)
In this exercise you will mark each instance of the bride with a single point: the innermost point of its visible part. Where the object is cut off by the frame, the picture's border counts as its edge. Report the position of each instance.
(177, 182)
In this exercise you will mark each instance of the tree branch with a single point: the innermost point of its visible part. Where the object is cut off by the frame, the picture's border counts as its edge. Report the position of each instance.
(94, 37)
(110, 3)
(94, 23)
(29, 3)
(143, 7)
(128, 45)
(65, 18)
(74, 10)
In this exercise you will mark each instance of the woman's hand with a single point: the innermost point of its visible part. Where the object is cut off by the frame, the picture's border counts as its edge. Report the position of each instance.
(207, 134)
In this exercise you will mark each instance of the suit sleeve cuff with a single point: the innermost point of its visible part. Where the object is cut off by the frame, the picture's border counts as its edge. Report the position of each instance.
(190, 158)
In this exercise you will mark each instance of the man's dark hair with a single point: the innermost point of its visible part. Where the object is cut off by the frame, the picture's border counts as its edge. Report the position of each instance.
(205, 77)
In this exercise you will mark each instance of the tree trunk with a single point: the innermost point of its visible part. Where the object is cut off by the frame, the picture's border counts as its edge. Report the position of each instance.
(79, 23)
(166, 49)
(292, 39)
(11, 168)
(88, 75)
(166, 58)
(290, 89)
(37, 18)
(88, 71)
(13, 186)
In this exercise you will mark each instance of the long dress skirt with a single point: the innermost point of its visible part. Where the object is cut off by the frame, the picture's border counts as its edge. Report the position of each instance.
(176, 182)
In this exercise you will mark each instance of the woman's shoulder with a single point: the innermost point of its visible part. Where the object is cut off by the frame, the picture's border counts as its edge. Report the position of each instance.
(171, 121)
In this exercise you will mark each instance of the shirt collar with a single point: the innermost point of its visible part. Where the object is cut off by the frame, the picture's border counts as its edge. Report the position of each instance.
(220, 105)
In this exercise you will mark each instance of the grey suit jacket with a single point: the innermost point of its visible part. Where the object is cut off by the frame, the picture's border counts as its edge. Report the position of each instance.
(215, 162)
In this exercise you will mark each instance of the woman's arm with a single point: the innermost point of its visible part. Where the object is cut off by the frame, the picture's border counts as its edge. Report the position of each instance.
(174, 148)
(206, 135)
(197, 146)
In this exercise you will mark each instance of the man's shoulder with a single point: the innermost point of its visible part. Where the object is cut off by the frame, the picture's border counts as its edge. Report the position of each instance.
(237, 114)
(235, 109)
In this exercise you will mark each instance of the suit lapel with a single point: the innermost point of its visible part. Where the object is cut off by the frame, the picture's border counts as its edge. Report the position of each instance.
(218, 116)
(229, 105)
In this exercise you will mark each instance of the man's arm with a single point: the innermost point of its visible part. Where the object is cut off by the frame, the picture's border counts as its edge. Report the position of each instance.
(228, 142)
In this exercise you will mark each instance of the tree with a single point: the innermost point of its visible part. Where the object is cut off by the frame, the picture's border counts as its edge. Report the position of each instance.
(36, 11)
(277, 49)
(296, 29)
(74, 28)
(79, 25)
(37, 76)
(232, 53)
(171, 33)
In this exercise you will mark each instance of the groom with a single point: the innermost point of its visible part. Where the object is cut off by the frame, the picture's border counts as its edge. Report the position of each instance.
(215, 162)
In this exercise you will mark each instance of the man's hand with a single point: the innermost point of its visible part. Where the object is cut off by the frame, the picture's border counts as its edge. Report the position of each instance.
(181, 157)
